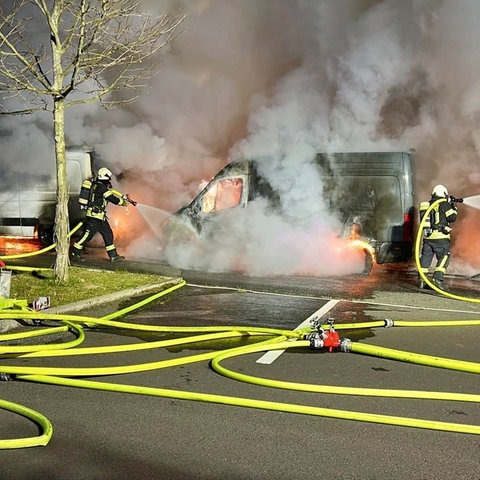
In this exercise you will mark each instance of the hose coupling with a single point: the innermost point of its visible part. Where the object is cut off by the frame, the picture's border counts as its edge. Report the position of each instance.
(315, 322)
(6, 377)
(389, 323)
(345, 345)
(316, 340)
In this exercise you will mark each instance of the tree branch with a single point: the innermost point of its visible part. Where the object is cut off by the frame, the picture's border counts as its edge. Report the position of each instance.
(103, 46)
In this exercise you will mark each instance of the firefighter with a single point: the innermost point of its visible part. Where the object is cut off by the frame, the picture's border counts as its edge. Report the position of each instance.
(436, 235)
(100, 194)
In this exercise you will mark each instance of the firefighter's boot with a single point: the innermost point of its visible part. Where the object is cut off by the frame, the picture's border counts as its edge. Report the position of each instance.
(439, 284)
(75, 256)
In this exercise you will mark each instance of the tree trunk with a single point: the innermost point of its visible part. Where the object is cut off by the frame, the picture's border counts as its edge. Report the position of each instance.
(62, 226)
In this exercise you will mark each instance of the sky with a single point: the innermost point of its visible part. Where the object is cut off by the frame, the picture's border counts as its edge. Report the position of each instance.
(279, 80)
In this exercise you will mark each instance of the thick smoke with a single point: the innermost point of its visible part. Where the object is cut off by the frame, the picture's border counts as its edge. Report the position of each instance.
(278, 80)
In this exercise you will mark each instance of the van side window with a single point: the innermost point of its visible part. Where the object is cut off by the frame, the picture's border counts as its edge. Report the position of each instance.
(226, 193)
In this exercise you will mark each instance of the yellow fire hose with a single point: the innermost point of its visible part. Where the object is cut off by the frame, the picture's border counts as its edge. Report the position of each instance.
(265, 339)
(38, 418)
(50, 346)
(308, 387)
(260, 404)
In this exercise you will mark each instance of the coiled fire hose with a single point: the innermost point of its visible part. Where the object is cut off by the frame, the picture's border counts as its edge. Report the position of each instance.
(265, 339)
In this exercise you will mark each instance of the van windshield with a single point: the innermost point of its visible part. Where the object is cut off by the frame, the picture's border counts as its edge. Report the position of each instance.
(223, 194)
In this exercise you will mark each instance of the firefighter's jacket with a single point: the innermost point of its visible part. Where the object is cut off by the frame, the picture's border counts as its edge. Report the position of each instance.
(100, 195)
(437, 226)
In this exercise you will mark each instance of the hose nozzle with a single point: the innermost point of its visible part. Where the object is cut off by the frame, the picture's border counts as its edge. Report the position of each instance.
(129, 200)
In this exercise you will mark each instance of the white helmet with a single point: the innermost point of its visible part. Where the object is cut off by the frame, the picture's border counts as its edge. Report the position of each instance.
(104, 174)
(440, 191)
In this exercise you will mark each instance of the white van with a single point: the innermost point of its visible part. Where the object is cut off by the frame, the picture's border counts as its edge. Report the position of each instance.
(30, 211)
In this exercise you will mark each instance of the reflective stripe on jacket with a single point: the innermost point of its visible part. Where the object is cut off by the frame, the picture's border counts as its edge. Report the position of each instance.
(100, 196)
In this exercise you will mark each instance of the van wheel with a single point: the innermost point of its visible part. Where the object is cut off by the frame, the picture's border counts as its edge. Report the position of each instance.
(45, 235)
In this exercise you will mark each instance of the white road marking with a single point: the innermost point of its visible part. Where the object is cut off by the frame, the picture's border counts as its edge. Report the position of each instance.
(272, 355)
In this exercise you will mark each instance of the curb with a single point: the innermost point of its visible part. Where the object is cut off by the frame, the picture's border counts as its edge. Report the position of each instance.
(113, 297)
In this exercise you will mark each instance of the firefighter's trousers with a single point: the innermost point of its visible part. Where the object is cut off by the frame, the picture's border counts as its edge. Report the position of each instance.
(92, 226)
(440, 248)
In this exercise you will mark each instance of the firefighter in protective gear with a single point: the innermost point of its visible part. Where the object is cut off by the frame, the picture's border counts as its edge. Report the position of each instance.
(101, 193)
(436, 235)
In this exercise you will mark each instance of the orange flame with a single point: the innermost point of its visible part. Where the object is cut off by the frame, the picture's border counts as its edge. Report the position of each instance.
(13, 245)
(364, 246)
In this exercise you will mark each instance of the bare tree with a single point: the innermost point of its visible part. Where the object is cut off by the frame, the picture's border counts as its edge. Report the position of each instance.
(86, 51)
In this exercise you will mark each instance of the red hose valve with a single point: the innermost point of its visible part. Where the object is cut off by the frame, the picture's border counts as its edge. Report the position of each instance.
(324, 338)
(332, 340)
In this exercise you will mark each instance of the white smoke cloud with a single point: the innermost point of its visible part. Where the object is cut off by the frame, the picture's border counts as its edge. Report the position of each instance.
(278, 81)
(255, 241)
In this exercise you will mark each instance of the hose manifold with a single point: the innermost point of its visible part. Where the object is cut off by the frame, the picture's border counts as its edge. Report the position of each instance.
(328, 339)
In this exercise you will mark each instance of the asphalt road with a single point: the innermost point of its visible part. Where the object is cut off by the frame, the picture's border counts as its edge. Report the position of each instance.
(103, 435)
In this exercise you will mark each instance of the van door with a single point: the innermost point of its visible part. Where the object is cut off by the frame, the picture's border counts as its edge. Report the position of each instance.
(229, 189)
(372, 193)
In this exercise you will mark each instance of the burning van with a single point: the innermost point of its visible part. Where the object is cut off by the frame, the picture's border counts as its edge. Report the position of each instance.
(371, 193)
